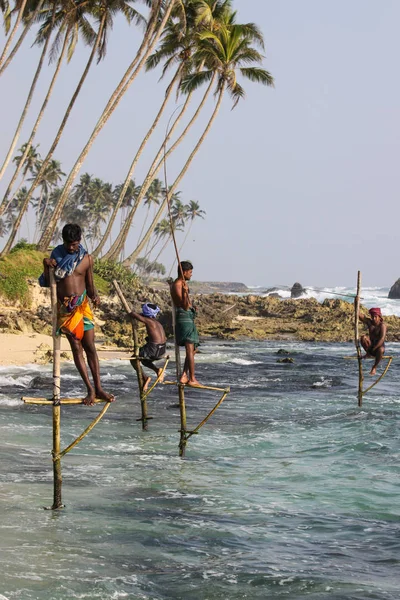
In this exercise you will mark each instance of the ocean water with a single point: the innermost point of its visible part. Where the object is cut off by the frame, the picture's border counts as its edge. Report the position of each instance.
(289, 492)
(371, 296)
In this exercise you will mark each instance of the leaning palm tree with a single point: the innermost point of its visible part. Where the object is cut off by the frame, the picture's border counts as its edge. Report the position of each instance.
(227, 52)
(30, 94)
(19, 8)
(104, 11)
(176, 46)
(27, 162)
(67, 42)
(32, 10)
(153, 31)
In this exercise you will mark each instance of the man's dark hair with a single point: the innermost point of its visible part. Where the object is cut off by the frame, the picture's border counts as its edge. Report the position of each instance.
(185, 265)
(71, 233)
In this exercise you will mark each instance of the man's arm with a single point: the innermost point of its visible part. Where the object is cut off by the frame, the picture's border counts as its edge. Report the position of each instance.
(138, 317)
(47, 263)
(382, 337)
(91, 290)
(363, 318)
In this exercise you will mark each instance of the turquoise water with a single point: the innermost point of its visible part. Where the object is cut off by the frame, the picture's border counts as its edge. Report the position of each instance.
(289, 492)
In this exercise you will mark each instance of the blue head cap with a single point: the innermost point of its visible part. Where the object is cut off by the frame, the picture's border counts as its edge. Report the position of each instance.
(150, 310)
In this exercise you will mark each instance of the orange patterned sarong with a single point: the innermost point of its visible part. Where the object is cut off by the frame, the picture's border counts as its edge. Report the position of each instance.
(74, 316)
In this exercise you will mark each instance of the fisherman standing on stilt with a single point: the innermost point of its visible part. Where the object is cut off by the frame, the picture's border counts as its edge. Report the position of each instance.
(74, 276)
(186, 330)
(374, 343)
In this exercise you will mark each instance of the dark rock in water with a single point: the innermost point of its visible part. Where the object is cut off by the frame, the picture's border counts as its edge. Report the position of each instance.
(281, 351)
(394, 291)
(285, 360)
(297, 290)
(39, 382)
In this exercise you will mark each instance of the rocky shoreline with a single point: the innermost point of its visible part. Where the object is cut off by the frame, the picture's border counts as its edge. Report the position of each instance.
(222, 316)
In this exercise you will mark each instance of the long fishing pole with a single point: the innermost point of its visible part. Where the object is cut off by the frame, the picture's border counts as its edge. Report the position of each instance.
(315, 289)
(168, 198)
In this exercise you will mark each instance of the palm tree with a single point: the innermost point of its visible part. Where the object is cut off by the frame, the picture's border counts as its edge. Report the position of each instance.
(132, 193)
(19, 8)
(97, 206)
(104, 13)
(30, 15)
(224, 52)
(76, 20)
(192, 212)
(27, 162)
(153, 31)
(49, 180)
(30, 95)
(217, 12)
(39, 117)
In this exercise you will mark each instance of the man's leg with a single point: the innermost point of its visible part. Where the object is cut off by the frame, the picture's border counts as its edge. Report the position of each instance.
(77, 353)
(378, 357)
(188, 368)
(366, 344)
(146, 380)
(93, 362)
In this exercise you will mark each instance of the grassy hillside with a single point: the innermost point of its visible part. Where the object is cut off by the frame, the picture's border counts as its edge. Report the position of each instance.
(24, 263)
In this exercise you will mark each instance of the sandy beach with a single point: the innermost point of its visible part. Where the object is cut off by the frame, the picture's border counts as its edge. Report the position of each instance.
(27, 348)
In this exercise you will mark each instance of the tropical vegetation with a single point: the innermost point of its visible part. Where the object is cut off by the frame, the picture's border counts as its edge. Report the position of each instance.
(203, 54)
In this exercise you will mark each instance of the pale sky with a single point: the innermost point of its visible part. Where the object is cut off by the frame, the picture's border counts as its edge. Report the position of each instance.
(300, 182)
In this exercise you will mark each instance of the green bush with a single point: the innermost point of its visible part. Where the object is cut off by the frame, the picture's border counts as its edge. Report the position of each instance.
(16, 268)
(109, 270)
(22, 245)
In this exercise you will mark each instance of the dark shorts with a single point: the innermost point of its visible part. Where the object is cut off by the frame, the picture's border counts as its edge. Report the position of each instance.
(152, 351)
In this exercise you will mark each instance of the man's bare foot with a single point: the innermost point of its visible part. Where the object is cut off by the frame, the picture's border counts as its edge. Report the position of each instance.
(89, 399)
(373, 371)
(102, 395)
(184, 379)
(194, 383)
(160, 375)
(146, 383)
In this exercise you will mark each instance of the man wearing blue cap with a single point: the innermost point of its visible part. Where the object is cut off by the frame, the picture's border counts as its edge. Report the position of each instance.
(154, 349)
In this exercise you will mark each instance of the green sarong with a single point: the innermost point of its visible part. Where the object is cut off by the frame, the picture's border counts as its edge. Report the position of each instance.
(186, 330)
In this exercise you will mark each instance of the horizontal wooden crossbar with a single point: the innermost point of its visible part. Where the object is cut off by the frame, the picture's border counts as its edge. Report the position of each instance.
(366, 358)
(197, 387)
(49, 401)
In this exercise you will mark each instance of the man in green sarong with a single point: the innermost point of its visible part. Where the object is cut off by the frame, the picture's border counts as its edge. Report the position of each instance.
(186, 330)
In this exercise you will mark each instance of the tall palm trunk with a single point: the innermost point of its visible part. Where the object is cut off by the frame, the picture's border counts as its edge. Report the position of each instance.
(13, 32)
(181, 246)
(132, 257)
(135, 161)
(54, 145)
(155, 167)
(47, 234)
(4, 204)
(29, 99)
(21, 37)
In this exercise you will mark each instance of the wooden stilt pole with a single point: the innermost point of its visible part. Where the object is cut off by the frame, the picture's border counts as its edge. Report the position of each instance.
(57, 501)
(181, 388)
(357, 340)
(182, 409)
(143, 396)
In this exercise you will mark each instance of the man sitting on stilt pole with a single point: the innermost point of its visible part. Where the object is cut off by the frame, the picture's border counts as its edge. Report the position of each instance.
(374, 343)
(154, 349)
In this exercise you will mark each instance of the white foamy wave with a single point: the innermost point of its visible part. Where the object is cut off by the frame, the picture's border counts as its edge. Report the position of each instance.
(6, 401)
(324, 383)
(9, 380)
(243, 361)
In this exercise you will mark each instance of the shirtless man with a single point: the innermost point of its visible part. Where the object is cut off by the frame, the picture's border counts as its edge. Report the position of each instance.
(374, 343)
(74, 276)
(185, 330)
(154, 349)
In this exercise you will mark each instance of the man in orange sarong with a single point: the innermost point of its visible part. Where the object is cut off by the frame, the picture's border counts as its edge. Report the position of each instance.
(74, 276)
